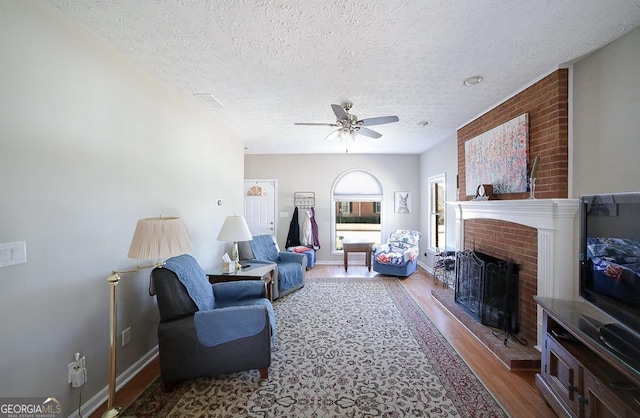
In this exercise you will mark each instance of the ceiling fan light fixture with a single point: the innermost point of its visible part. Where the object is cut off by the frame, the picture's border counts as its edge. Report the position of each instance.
(472, 81)
(349, 124)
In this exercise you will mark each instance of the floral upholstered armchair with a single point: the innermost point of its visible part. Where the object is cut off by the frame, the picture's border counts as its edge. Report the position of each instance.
(399, 256)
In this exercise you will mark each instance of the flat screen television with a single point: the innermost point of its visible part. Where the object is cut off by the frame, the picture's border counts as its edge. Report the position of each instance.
(610, 267)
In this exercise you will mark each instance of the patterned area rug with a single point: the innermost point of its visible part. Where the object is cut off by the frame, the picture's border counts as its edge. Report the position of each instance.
(346, 347)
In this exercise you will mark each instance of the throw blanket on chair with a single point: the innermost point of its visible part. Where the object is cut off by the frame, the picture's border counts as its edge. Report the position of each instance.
(220, 326)
(401, 247)
(193, 278)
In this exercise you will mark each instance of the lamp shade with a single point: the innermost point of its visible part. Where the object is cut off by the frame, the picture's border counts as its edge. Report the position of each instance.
(235, 229)
(159, 238)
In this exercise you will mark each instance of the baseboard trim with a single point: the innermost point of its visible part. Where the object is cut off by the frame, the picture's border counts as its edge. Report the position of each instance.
(328, 263)
(91, 405)
(425, 267)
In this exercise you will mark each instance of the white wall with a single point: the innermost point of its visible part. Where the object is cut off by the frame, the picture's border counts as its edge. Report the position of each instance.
(443, 158)
(90, 143)
(317, 173)
(606, 119)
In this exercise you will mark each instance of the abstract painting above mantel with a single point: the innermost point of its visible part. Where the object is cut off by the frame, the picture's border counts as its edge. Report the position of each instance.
(499, 157)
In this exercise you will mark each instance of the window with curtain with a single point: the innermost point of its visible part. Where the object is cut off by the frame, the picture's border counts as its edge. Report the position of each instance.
(356, 208)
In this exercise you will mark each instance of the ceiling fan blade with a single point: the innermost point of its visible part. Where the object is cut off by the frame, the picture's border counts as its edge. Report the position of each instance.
(378, 121)
(368, 132)
(315, 124)
(339, 111)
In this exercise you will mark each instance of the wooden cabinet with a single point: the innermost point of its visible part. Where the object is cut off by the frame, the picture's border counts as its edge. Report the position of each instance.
(601, 401)
(561, 372)
(580, 376)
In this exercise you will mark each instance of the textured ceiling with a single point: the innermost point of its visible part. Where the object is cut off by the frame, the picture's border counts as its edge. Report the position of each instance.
(270, 63)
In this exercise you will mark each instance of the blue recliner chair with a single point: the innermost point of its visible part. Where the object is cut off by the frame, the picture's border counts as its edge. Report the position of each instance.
(206, 329)
(290, 269)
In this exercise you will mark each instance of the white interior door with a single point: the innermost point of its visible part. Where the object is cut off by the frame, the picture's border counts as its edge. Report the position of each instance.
(260, 206)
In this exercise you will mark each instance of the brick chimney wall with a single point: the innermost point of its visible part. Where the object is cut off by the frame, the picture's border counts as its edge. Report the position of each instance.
(546, 102)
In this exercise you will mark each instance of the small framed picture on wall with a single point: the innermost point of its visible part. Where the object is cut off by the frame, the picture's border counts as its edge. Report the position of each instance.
(403, 202)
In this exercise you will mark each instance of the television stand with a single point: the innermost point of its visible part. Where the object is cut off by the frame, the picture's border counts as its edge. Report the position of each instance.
(580, 375)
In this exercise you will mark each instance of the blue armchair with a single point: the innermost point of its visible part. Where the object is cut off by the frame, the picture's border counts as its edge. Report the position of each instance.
(206, 329)
(289, 275)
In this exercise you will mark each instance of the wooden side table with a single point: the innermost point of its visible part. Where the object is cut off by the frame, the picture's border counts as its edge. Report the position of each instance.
(255, 271)
(355, 246)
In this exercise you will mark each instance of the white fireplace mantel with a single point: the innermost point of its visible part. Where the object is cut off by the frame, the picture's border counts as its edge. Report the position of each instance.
(536, 213)
(554, 220)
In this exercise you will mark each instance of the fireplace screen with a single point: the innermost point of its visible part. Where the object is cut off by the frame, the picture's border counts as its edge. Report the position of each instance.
(469, 282)
(487, 288)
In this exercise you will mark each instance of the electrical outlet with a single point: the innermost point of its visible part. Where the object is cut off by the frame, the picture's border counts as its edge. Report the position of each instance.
(13, 253)
(126, 336)
(77, 372)
(72, 370)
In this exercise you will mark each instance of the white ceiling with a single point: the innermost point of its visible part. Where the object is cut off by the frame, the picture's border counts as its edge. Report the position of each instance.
(271, 63)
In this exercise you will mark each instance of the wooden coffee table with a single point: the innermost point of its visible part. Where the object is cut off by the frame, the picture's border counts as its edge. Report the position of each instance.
(357, 246)
(255, 271)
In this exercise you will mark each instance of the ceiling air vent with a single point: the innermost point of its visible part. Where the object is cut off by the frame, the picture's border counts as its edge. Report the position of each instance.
(207, 99)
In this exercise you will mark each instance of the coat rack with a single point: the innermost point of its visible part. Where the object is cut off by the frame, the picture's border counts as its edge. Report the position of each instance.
(304, 200)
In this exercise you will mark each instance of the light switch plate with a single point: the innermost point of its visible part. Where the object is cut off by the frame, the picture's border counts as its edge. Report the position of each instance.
(126, 336)
(13, 253)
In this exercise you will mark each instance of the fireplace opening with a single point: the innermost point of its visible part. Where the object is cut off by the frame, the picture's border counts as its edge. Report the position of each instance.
(487, 288)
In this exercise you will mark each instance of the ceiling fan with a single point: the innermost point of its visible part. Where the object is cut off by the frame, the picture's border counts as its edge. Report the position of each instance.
(349, 124)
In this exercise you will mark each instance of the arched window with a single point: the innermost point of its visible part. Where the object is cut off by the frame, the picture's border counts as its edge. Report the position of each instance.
(356, 208)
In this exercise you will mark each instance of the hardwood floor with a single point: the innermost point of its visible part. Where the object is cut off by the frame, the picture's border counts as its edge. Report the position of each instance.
(134, 388)
(515, 391)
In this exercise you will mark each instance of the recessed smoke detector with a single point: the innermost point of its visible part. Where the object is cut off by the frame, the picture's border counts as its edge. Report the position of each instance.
(207, 99)
(472, 81)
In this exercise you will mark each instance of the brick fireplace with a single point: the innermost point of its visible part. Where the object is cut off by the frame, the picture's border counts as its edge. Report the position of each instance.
(537, 234)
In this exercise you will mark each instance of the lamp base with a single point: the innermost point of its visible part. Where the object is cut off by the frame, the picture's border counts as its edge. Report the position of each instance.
(235, 256)
(112, 413)
(115, 412)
